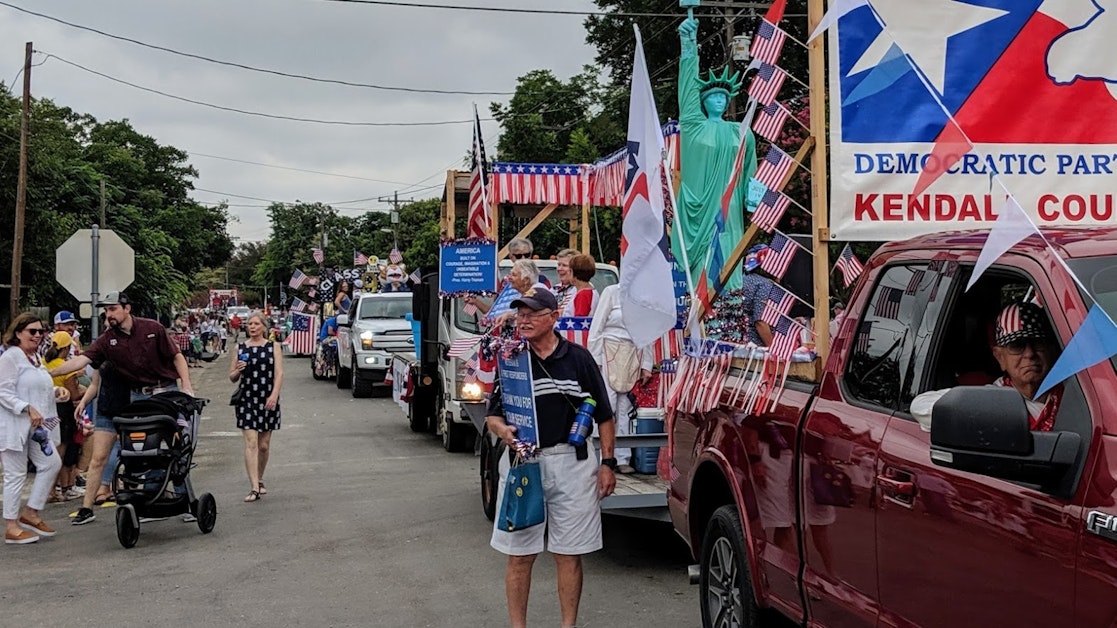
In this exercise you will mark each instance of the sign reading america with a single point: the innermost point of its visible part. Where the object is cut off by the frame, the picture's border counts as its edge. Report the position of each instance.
(1031, 84)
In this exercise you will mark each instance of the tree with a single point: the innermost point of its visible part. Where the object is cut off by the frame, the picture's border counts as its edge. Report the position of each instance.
(538, 121)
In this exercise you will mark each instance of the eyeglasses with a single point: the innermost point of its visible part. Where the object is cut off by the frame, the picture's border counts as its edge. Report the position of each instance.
(1016, 347)
(539, 314)
(518, 255)
(37, 331)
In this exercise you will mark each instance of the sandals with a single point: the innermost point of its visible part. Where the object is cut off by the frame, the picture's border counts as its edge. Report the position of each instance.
(105, 497)
(263, 489)
(253, 496)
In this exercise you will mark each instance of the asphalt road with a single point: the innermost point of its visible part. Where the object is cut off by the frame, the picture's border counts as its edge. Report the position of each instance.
(365, 524)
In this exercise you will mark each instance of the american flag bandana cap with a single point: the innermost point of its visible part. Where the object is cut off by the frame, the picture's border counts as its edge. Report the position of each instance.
(1021, 321)
(755, 256)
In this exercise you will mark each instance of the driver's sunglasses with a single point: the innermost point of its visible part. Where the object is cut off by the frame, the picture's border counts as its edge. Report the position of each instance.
(1016, 347)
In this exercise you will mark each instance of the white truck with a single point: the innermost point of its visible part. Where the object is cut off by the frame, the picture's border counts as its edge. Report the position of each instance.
(373, 330)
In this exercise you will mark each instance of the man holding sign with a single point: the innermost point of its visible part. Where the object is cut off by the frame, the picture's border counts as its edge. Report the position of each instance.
(561, 376)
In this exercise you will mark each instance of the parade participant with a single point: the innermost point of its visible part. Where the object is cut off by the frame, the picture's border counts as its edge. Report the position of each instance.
(143, 358)
(1024, 347)
(65, 321)
(563, 375)
(709, 150)
(342, 300)
(754, 288)
(260, 363)
(27, 410)
(584, 301)
(234, 324)
(68, 425)
(522, 248)
(564, 291)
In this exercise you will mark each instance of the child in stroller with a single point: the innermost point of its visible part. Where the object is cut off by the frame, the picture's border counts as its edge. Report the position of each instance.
(158, 437)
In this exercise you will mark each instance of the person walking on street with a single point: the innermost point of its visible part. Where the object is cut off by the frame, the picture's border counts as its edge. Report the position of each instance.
(259, 363)
(69, 447)
(27, 414)
(574, 482)
(143, 359)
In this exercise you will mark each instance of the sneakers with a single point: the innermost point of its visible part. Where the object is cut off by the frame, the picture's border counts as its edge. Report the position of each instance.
(56, 496)
(23, 537)
(73, 492)
(189, 518)
(151, 519)
(626, 469)
(80, 482)
(84, 516)
(40, 527)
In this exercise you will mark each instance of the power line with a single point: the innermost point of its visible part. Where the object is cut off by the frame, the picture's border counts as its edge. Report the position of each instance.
(254, 113)
(421, 5)
(251, 68)
(291, 168)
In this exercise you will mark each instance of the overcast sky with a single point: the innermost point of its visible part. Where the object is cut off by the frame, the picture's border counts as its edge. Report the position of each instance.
(397, 46)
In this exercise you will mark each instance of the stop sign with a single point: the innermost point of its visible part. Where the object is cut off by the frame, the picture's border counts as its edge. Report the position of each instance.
(74, 263)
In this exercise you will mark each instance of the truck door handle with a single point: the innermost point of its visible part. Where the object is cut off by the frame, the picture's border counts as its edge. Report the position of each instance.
(902, 488)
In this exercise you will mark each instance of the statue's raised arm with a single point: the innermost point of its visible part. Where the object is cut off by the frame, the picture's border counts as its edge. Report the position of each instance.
(690, 102)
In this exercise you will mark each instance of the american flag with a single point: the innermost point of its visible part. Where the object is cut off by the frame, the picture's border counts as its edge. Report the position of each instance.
(785, 338)
(300, 340)
(396, 257)
(772, 314)
(770, 120)
(766, 84)
(311, 293)
(913, 283)
(416, 276)
(297, 279)
(538, 183)
(771, 209)
(298, 305)
(945, 269)
(773, 168)
(782, 249)
(469, 309)
(849, 265)
(461, 346)
(781, 299)
(318, 255)
(359, 258)
(478, 224)
(861, 342)
(768, 43)
(576, 329)
(887, 304)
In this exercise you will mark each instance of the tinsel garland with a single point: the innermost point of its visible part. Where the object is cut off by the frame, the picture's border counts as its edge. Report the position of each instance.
(729, 319)
(504, 342)
(467, 241)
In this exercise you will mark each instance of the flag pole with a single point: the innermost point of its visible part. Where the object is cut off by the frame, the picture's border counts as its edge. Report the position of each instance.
(816, 55)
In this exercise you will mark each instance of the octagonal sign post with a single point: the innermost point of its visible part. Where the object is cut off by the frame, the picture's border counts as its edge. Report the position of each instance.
(93, 262)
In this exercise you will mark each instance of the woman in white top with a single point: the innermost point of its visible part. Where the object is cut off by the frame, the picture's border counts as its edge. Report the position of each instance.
(27, 406)
(620, 361)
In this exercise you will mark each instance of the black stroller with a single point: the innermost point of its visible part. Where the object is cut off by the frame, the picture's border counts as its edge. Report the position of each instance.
(157, 441)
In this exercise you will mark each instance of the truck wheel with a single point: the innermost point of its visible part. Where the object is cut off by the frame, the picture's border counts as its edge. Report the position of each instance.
(490, 474)
(418, 417)
(361, 387)
(459, 436)
(343, 377)
(725, 586)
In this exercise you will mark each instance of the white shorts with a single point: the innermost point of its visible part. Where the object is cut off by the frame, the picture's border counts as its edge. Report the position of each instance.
(573, 523)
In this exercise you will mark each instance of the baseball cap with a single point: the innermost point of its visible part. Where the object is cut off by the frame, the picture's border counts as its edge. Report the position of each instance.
(65, 316)
(755, 255)
(537, 299)
(62, 339)
(115, 297)
(1021, 321)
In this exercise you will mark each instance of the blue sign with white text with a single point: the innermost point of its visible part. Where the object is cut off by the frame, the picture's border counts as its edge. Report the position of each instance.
(518, 395)
(467, 268)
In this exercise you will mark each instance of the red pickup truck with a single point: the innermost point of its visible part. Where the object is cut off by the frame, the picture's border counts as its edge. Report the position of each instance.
(837, 509)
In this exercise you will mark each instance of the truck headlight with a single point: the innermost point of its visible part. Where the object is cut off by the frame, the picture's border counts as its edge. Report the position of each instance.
(366, 340)
(471, 391)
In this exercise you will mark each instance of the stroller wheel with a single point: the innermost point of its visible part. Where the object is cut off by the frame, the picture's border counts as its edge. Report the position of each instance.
(206, 512)
(127, 526)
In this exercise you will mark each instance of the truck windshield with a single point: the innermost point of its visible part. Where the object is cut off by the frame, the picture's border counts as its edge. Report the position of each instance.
(383, 308)
(1099, 275)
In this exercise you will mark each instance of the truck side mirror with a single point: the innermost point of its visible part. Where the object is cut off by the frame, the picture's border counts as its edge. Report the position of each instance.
(342, 320)
(984, 429)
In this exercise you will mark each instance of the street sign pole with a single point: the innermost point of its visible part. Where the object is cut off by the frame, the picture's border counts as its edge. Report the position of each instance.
(95, 238)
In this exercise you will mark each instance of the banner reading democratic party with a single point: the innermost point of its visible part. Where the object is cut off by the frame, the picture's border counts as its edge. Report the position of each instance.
(517, 395)
(1031, 84)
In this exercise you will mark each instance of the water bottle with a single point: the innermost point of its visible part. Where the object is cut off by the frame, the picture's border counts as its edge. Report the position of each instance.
(41, 436)
(243, 357)
(583, 423)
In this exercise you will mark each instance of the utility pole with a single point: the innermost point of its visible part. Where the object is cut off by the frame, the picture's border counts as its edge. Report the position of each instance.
(731, 12)
(396, 204)
(21, 184)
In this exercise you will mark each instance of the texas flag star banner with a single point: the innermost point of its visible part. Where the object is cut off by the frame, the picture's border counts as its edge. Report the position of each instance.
(939, 106)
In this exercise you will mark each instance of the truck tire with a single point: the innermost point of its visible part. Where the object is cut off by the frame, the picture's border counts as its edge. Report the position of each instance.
(490, 474)
(362, 388)
(343, 377)
(725, 585)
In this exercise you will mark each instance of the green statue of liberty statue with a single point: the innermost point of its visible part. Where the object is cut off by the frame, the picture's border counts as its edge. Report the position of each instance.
(709, 148)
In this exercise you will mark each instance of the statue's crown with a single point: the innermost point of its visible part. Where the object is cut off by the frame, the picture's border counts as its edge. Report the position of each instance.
(731, 85)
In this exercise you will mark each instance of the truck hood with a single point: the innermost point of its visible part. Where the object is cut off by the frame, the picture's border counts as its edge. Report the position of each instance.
(388, 334)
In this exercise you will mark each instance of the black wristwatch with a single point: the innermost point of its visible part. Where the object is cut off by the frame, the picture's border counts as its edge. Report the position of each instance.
(609, 462)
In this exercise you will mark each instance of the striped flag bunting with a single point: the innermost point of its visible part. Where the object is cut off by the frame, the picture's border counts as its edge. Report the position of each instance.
(461, 346)
(771, 210)
(576, 329)
(395, 256)
(768, 42)
(359, 258)
(318, 255)
(766, 84)
(770, 120)
(773, 169)
(849, 265)
(780, 252)
(887, 304)
(301, 338)
(521, 183)
(297, 279)
(477, 224)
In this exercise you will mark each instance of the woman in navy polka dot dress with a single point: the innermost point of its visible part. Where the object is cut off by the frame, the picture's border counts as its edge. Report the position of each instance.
(258, 366)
